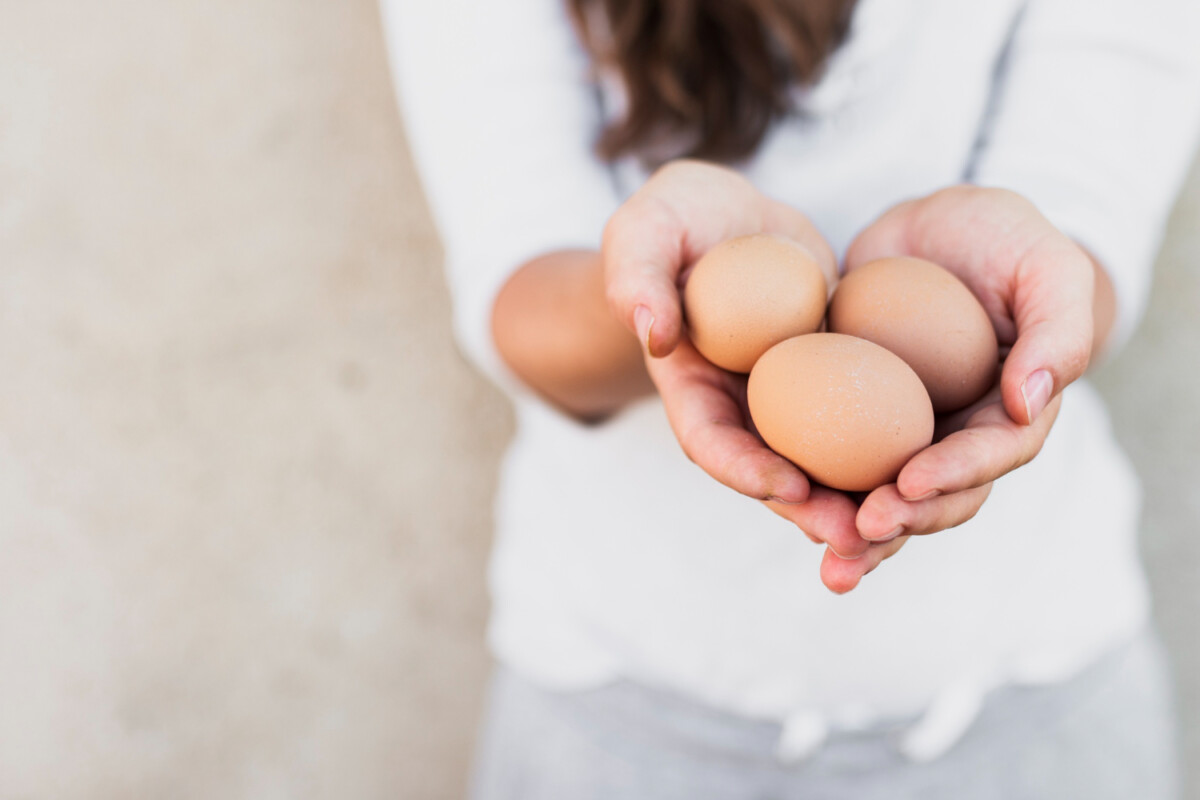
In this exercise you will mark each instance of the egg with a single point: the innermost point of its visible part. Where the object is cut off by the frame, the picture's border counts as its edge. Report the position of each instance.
(846, 411)
(749, 293)
(928, 317)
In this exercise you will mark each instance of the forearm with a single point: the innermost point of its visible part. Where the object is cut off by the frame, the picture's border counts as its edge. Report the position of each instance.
(553, 328)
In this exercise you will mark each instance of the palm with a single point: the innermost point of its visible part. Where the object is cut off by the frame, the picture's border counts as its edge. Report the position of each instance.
(1033, 281)
(1036, 286)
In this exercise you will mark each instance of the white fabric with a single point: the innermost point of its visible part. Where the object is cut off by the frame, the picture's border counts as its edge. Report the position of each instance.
(614, 555)
(802, 735)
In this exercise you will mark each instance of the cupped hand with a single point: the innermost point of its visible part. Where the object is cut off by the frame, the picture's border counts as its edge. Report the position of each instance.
(1038, 289)
(685, 209)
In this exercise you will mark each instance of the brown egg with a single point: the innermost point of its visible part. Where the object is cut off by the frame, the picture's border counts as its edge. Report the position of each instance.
(749, 293)
(846, 411)
(928, 317)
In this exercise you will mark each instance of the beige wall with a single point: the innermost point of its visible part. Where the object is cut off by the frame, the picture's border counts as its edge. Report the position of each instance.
(244, 476)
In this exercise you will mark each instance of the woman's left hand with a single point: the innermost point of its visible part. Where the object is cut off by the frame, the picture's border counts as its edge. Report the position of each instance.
(1038, 288)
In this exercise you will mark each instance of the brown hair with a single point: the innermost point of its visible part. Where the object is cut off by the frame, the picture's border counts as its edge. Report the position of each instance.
(706, 78)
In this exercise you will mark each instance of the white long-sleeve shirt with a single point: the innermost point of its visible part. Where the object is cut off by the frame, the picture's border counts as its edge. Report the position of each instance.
(617, 557)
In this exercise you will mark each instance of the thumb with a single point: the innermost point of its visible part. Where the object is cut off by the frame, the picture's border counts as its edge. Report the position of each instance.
(1052, 309)
(643, 254)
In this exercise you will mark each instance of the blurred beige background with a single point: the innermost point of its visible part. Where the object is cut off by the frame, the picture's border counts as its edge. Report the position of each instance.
(244, 476)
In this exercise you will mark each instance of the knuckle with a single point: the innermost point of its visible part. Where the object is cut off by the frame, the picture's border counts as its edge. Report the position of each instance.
(1080, 354)
(1014, 199)
(692, 441)
(979, 451)
(974, 508)
(964, 192)
(1031, 450)
(688, 444)
(614, 228)
(738, 469)
(619, 303)
(617, 295)
(1074, 353)
(1019, 448)
(966, 516)
(673, 168)
(687, 165)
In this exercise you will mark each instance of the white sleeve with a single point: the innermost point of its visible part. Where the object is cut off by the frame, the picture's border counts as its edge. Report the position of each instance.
(501, 115)
(1095, 121)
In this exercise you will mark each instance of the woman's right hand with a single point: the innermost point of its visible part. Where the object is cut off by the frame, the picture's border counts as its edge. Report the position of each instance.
(686, 208)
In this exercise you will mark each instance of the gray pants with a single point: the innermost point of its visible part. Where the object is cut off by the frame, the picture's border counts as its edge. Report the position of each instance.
(1109, 733)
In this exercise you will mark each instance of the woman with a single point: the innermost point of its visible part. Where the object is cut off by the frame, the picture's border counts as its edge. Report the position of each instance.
(662, 636)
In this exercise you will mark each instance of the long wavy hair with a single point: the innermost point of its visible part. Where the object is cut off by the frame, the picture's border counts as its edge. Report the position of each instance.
(706, 78)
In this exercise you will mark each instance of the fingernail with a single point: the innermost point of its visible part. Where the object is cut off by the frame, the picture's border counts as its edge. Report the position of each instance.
(848, 558)
(1036, 393)
(887, 537)
(932, 493)
(643, 320)
(776, 499)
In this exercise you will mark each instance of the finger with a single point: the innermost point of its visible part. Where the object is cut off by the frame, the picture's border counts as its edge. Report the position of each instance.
(887, 236)
(710, 428)
(954, 421)
(841, 575)
(826, 517)
(971, 231)
(885, 515)
(1035, 283)
(1052, 308)
(990, 446)
(642, 251)
(784, 220)
(738, 459)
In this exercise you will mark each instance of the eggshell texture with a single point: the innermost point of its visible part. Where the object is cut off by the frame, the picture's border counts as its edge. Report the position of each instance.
(846, 411)
(928, 317)
(749, 293)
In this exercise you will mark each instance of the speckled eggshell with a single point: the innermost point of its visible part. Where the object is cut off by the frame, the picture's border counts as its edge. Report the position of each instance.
(928, 317)
(749, 293)
(846, 411)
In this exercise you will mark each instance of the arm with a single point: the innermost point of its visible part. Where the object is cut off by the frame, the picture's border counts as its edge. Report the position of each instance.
(1094, 119)
(553, 328)
(500, 117)
(500, 114)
